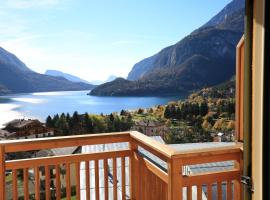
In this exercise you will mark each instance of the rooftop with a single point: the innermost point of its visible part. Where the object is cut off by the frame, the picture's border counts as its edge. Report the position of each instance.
(20, 123)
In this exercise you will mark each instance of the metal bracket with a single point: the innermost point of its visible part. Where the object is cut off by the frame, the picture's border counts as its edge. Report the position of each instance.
(246, 180)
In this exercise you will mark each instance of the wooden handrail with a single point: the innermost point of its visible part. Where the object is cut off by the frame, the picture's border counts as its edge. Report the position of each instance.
(165, 183)
(237, 147)
(54, 160)
(210, 177)
(63, 141)
(161, 150)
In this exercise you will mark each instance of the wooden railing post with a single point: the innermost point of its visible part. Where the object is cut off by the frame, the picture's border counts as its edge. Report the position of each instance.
(175, 191)
(238, 192)
(2, 173)
(134, 182)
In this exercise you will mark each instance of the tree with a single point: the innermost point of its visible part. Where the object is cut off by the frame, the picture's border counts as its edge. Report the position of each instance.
(75, 117)
(74, 122)
(111, 117)
(231, 125)
(123, 113)
(117, 124)
(62, 126)
(203, 109)
(196, 109)
(151, 110)
(55, 119)
(49, 122)
(206, 125)
(68, 117)
(167, 112)
(87, 123)
(140, 111)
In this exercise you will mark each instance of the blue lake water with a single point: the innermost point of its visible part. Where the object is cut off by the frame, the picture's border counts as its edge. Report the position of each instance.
(40, 105)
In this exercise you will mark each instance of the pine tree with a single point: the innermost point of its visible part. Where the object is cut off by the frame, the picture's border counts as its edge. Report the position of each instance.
(203, 109)
(49, 122)
(167, 112)
(88, 125)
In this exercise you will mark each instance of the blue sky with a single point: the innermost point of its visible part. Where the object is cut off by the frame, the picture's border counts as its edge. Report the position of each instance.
(97, 38)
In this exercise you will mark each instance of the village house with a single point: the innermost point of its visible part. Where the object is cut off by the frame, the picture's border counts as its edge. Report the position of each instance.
(25, 129)
(151, 127)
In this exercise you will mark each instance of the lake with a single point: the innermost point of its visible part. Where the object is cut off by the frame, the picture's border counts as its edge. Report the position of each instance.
(40, 105)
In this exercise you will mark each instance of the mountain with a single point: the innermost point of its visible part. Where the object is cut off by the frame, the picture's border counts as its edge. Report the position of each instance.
(109, 79)
(16, 77)
(206, 57)
(67, 76)
(4, 90)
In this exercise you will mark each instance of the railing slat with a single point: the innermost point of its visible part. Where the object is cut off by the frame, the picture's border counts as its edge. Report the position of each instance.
(123, 167)
(105, 166)
(87, 180)
(133, 170)
(2, 173)
(237, 188)
(58, 183)
(229, 190)
(152, 185)
(199, 192)
(14, 185)
(114, 179)
(97, 179)
(78, 181)
(175, 182)
(209, 191)
(68, 190)
(155, 170)
(146, 185)
(37, 183)
(47, 182)
(219, 189)
(142, 179)
(25, 183)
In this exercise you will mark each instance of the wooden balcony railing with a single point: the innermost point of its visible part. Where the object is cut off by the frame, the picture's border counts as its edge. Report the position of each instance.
(105, 175)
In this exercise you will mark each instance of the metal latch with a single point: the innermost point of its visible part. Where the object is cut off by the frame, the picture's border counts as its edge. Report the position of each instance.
(246, 180)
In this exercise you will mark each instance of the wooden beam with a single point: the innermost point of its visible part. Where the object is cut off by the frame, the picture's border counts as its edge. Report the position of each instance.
(58, 183)
(78, 180)
(47, 182)
(53, 160)
(2, 173)
(163, 151)
(133, 171)
(14, 185)
(37, 183)
(155, 170)
(63, 141)
(211, 177)
(175, 180)
(87, 180)
(97, 179)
